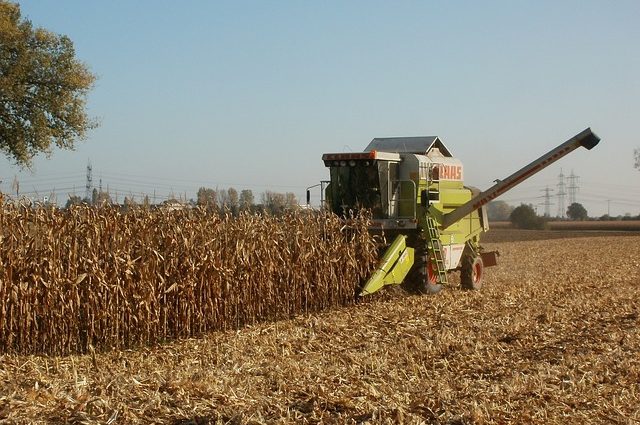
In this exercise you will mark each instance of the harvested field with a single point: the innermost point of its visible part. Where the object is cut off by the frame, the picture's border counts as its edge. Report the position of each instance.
(552, 338)
(505, 234)
(622, 225)
(589, 225)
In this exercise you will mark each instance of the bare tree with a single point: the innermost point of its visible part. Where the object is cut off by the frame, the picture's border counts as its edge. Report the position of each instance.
(207, 197)
(246, 200)
(233, 201)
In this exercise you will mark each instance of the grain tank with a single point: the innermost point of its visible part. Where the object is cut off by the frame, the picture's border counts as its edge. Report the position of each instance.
(414, 188)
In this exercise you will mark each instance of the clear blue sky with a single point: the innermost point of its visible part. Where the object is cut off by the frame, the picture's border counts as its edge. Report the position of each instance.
(250, 94)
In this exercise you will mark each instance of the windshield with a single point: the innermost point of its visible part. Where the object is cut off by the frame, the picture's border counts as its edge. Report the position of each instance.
(354, 188)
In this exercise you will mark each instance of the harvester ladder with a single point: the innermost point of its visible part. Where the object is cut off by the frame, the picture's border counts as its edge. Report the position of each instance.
(434, 249)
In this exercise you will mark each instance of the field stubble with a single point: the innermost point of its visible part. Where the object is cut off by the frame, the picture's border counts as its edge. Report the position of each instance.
(552, 338)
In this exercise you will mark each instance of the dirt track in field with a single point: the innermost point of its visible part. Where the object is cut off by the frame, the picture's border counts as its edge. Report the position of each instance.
(552, 338)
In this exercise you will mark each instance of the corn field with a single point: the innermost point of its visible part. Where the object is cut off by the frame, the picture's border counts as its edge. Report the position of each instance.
(97, 278)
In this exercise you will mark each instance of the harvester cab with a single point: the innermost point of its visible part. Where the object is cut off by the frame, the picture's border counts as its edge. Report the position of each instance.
(414, 189)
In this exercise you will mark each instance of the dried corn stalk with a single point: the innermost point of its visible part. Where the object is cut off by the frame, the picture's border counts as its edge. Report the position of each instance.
(103, 278)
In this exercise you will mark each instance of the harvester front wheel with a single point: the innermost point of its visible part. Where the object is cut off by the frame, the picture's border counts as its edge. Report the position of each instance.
(472, 272)
(424, 278)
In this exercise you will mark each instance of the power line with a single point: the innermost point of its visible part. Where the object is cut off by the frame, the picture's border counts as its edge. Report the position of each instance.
(87, 194)
(572, 187)
(547, 201)
(561, 194)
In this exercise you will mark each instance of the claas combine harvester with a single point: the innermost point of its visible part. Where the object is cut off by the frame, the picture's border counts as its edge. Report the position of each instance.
(415, 191)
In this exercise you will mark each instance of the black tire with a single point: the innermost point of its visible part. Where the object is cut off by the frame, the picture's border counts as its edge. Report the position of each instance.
(419, 280)
(472, 273)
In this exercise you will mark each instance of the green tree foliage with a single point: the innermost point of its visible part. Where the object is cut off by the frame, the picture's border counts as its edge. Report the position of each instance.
(499, 210)
(43, 89)
(577, 212)
(525, 217)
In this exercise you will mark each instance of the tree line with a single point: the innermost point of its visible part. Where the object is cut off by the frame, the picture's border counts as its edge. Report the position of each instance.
(525, 216)
(244, 201)
(221, 200)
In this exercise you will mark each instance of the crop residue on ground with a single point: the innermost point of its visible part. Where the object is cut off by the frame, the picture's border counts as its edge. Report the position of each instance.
(552, 338)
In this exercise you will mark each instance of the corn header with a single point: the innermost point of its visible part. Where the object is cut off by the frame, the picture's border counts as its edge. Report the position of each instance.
(415, 189)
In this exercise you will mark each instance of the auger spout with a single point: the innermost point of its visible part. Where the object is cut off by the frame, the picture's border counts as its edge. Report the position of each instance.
(586, 139)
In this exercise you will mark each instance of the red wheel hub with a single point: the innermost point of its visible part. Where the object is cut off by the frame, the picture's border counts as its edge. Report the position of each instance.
(432, 274)
(477, 272)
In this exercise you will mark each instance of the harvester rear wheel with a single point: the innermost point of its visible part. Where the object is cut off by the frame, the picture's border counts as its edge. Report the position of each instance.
(472, 272)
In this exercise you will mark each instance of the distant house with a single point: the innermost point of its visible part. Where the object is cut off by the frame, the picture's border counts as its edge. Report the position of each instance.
(174, 205)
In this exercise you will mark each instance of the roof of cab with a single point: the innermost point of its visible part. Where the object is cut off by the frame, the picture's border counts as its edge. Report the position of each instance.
(416, 145)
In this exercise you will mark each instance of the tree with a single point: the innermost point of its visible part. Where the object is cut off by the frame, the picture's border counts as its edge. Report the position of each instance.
(577, 212)
(207, 198)
(246, 200)
(73, 200)
(290, 201)
(499, 211)
(43, 89)
(103, 198)
(636, 153)
(273, 202)
(525, 217)
(129, 203)
(232, 200)
(276, 203)
(223, 199)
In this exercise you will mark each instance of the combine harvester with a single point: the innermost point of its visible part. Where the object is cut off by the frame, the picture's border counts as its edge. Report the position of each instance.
(414, 188)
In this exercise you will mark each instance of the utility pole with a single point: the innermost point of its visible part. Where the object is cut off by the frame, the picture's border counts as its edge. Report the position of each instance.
(562, 211)
(547, 201)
